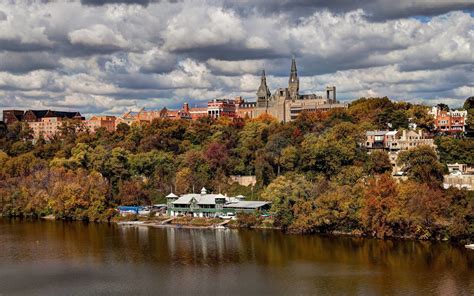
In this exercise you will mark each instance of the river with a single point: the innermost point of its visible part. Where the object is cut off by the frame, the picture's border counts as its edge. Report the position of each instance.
(73, 258)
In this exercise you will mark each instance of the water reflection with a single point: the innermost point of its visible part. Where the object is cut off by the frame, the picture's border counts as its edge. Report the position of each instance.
(80, 258)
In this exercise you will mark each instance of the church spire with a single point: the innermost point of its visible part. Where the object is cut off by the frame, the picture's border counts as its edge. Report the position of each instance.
(294, 72)
(263, 91)
(294, 82)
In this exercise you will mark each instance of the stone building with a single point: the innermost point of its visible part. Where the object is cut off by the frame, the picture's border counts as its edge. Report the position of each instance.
(287, 103)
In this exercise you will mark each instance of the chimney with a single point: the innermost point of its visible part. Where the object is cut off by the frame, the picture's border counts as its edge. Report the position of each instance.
(420, 133)
(186, 107)
(404, 135)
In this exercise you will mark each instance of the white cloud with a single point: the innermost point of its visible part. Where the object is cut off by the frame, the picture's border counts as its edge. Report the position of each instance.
(96, 36)
(115, 57)
(203, 26)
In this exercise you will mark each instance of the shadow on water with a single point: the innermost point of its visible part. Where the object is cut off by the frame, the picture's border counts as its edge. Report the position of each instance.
(44, 257)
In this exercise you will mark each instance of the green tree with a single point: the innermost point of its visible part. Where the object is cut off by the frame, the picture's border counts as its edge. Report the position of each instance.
(378, 162)
(284, 193)
(421, 164)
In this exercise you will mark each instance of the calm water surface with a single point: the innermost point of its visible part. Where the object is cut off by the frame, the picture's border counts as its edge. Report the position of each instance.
(60, 258)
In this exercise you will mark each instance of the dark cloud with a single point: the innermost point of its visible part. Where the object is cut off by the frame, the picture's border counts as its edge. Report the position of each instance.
(21, 62)
(103, 2)
(106, 58)
(377, 10)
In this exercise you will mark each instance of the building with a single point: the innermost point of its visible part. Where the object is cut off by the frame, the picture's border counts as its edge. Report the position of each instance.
(460, 168)
(38, 115)
(211, 205)
(47, 123)
(449, 121)
(96, 122)
(47, 127)
(198, 112)
(244, 109)
(147, 116)
(182, 113)
(12, 116)
(221, 107)
(243, 180)
(286, 104)
(459, 181)
(395, 141)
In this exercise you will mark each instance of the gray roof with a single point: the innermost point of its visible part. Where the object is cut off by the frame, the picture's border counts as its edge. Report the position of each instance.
(202, 199)
(251, 204)
(376, 133)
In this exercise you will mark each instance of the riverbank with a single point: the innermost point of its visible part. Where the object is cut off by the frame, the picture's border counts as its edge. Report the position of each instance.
(245, 222)
(195, 222)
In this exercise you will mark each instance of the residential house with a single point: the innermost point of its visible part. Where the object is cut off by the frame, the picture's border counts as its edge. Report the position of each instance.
(449, 121)
(395, 141)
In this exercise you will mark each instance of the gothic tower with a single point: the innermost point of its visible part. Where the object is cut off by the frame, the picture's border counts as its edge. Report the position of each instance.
(294, 81)
(263, 93)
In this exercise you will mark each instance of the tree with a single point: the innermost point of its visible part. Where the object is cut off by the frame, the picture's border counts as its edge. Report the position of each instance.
(443, 107)
(421, 164)
(328, 154)
(133, 193)
(338, 208)
(378, 162)
(289, 158)
(469, 107)
(184, 181)
(452, 150)
(284, 193)
(421, 117)
(378, 201)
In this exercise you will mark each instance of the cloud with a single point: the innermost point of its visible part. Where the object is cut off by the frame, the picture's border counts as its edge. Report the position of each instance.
(378, 10)
(98, 36)
(110, 56)
(21, 62)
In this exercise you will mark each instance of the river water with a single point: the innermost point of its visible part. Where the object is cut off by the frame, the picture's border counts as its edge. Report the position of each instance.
(72, 258)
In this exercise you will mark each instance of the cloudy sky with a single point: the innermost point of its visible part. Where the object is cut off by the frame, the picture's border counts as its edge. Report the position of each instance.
(112, 56)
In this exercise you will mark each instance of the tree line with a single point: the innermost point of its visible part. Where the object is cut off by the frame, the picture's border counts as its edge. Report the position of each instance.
(314, 170)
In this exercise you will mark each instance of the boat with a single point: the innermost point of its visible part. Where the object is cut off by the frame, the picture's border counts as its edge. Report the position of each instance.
(470, 246)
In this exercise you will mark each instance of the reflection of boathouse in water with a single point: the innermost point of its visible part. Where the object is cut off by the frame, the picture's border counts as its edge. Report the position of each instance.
(212, 205)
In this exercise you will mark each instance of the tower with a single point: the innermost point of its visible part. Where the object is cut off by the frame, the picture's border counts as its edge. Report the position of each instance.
(294, 81)
(263, 93)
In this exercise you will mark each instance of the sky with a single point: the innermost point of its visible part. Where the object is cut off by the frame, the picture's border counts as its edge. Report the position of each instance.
(109, 57)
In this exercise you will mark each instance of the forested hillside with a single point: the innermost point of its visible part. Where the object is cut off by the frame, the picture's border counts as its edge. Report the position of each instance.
(314, 170)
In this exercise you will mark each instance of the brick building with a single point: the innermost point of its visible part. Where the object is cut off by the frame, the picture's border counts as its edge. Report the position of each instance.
(449, 121)
(96, 122)
(12, 116)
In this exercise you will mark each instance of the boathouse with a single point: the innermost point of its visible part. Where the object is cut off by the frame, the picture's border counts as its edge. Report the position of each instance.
(212, 205)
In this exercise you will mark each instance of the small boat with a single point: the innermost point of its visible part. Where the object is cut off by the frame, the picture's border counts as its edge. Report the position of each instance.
(470, 246)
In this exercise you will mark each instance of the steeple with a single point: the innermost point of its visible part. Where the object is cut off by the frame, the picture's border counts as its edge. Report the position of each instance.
(263, 93)
(294, 72)
(294, 82)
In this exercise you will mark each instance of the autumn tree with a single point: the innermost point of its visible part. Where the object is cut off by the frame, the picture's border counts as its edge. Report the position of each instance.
(378, 162)
(285, 192)
(421, 164)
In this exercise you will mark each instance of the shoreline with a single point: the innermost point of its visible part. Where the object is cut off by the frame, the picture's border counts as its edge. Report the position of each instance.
(158, 224)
